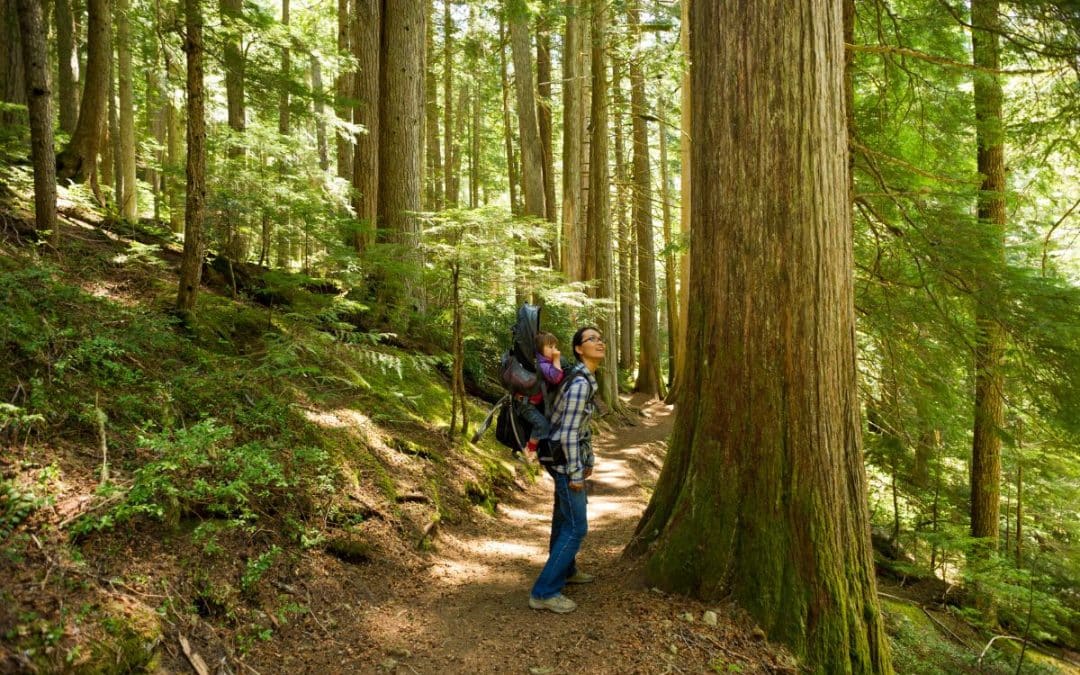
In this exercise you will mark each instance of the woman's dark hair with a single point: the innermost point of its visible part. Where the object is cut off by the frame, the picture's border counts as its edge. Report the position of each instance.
(577, 341)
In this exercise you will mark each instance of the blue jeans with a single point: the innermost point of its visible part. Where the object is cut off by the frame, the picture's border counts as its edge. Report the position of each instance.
(569, 525)
(540, 424)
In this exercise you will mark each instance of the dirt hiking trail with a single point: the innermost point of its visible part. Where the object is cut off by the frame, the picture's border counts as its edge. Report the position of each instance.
(464, 607)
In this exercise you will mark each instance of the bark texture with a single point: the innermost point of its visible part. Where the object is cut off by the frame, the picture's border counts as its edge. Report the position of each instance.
(649, 380)
(766, 454)
(367, 34)
(990, 341)
(401, 120)
(573, 131)
(129, 199)
(599, 217)
(67, 58)
(232, 16)
(36, 74)
(532, 155)
(191, 262)
(12, 75)
(76, 161)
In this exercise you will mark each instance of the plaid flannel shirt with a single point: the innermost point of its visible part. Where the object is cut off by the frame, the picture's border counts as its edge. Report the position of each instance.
(570, 423)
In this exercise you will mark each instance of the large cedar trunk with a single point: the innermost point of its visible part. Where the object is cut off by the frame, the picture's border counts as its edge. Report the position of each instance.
(990, 342)
(191, 262)
(36, 75)
(67, 57)
(367, 39)
(401, 116)
(649, 380)
(766, 454)
(77, 159)
(532, 156)
(572, 208)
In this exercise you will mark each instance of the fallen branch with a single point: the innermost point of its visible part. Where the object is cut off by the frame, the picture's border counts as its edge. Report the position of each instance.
(944, 627)
(993, 639)
(193, 657)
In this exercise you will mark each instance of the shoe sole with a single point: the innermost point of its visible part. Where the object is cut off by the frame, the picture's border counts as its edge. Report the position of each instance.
(551, 609)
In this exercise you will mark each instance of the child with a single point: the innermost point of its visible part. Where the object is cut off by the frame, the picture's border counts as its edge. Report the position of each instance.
(550, 366)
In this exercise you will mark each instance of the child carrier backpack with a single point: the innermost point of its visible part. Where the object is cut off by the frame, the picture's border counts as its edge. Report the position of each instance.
(520, 378)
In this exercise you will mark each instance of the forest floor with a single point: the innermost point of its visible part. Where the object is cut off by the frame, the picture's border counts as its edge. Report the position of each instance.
(464, 606)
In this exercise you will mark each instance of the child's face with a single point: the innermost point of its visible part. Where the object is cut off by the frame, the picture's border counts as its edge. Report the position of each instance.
(550, 351)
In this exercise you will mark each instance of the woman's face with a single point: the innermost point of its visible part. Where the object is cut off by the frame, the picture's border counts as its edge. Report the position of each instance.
(592, 346)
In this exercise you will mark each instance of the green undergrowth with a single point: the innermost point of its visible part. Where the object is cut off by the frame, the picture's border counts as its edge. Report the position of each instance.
(920, 647)
(241, 440)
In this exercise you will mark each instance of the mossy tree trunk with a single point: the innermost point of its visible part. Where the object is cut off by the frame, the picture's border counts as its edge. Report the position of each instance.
(766, 456)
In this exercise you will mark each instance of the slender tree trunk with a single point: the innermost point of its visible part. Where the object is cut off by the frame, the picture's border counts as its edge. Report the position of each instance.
(76, 160)
(191, 262)
(114, 158)
(367, 34)
(433, 182)
(320, 119)
(67, 57)
(671, 294)
(286, 75)
(476, 103)
(450, 186)
(38, 95)
(649, 380)
(599, 223)
(343, 92)
(508, 134)
(990, 349)
(573, 131)
(172, 153)
(1019, 514)
(766, 454)
(532, 172)
(232, 19)
(152, 109)
(129, 200)
(543, 113)
(627, 267)
(685, 196)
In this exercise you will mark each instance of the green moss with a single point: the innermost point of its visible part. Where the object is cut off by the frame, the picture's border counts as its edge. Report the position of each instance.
(349, 548)
(134, 632)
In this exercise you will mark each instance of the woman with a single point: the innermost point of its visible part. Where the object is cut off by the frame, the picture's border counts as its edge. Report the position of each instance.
(569, 521)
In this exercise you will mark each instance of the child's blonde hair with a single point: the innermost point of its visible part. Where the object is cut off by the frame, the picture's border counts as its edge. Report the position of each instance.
(545, 340)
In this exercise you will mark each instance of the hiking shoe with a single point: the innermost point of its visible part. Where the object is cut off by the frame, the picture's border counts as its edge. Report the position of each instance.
(560, 604)
(580, 577)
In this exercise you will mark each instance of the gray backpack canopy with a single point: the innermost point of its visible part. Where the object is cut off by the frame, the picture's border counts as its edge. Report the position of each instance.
(526, 328)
